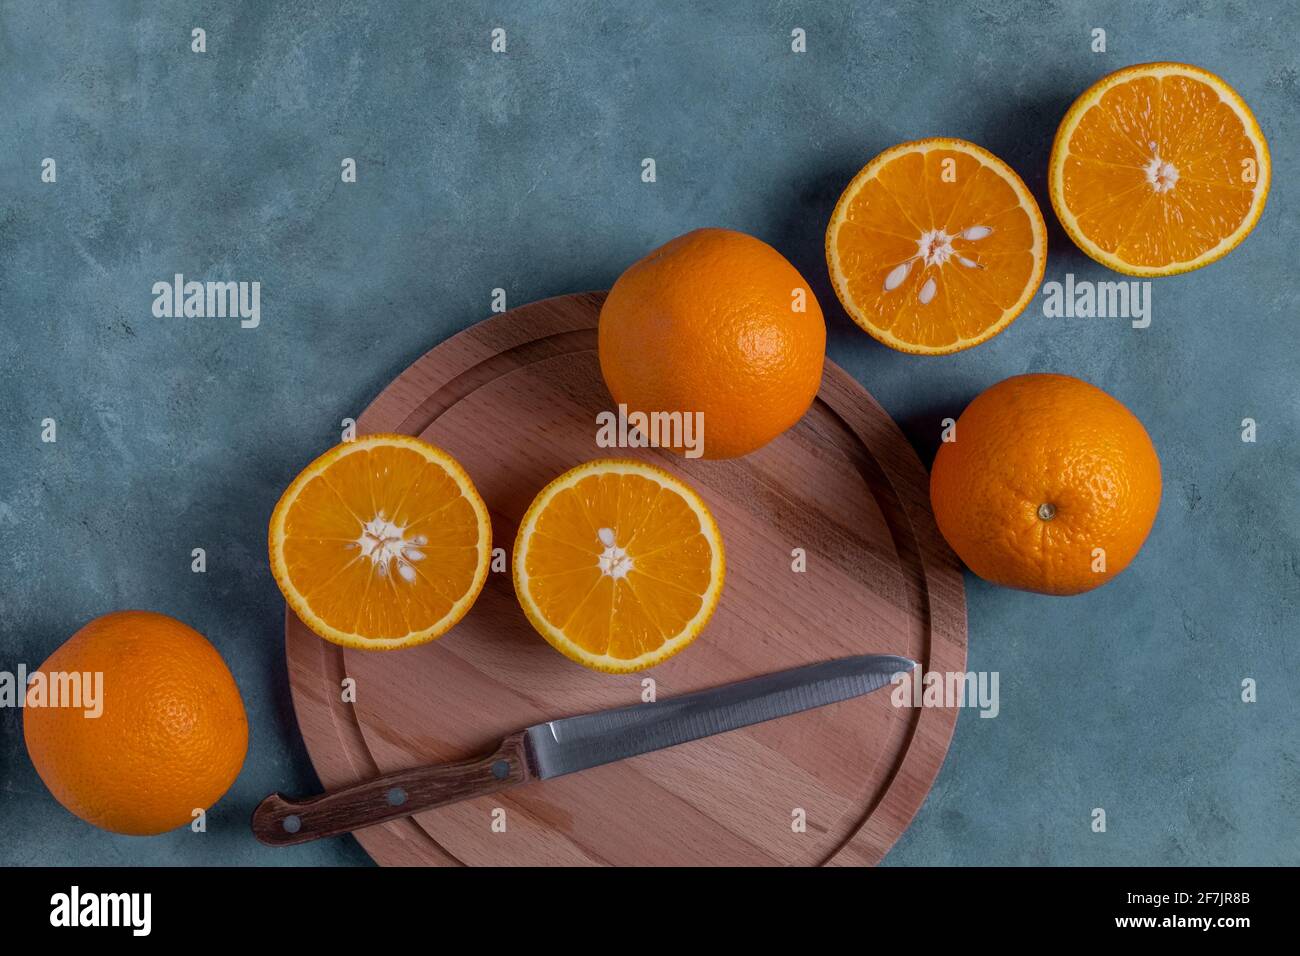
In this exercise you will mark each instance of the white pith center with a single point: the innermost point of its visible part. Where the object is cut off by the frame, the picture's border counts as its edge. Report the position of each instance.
(1162, 176)
(614, 561)
(934, 247)
(386, 545)
(933, 250)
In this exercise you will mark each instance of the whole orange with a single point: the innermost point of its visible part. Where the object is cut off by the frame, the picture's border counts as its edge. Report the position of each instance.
(171, 734)
(1048, 484)
(719, 323)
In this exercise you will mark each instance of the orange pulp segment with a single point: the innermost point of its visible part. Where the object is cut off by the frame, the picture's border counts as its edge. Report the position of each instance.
(936, 246)
(618, 564)
(381, 543)
(1159, 169)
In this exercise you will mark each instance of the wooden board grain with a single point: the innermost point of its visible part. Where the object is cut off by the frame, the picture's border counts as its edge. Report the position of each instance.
(515, 399)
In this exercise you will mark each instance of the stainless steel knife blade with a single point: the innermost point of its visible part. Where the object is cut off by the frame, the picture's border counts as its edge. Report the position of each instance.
(572, 744)
(577, 743)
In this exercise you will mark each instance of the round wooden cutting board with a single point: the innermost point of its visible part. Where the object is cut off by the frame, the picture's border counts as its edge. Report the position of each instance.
(515, 399)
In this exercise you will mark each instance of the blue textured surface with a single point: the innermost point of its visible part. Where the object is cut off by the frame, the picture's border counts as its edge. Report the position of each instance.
(522, 171)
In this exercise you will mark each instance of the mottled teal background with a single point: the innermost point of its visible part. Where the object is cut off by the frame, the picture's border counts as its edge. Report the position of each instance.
(523, 171)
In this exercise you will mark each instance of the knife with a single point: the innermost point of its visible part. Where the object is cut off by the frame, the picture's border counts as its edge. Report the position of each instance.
(557, 747)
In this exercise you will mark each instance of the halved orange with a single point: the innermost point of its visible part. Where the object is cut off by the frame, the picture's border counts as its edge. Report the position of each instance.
(381, 543)
(936, 246)
(618, 564)
(1159, 169)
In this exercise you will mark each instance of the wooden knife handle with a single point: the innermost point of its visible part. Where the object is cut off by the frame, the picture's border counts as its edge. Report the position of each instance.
(279, 821)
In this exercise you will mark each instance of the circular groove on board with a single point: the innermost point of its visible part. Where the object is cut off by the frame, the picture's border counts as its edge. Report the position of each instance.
(924, 585)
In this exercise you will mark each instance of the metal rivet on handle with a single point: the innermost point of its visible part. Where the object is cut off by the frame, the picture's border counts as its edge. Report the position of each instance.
(501, 769)
(292, 823)
(396, 797)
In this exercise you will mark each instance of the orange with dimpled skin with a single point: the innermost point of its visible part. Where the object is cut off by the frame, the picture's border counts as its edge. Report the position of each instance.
(170, 736)
(720, 323)
(1049, 485)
